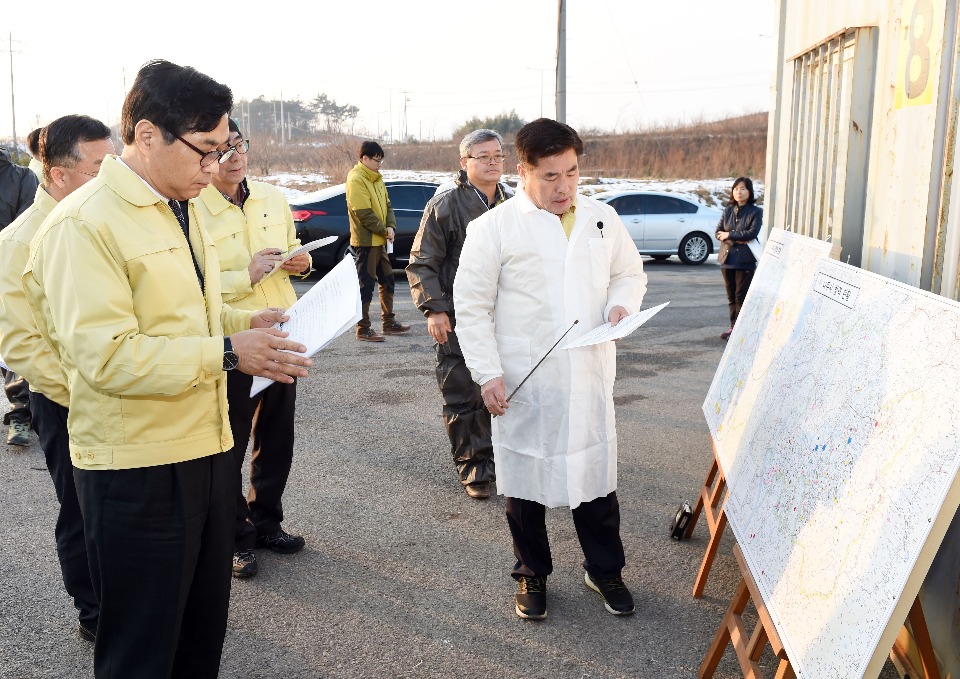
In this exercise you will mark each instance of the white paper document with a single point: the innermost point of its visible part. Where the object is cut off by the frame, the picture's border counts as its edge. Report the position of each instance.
(607, 332)
(307, 247)
(326, 311)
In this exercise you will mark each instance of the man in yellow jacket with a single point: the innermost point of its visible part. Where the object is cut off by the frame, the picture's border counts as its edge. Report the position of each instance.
(74, 147)
(372, 226)
(252, 226)
(124, 283)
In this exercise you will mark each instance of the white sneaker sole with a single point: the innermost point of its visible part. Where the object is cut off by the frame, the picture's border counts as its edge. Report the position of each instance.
(527, 616)
(589, 583)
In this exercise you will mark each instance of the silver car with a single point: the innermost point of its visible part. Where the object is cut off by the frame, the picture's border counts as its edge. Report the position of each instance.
(663, 224)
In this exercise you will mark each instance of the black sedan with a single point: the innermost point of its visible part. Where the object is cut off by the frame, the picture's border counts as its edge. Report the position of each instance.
(324, 213)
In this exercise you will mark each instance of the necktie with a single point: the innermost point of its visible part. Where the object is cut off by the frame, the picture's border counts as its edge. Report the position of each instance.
(182, 218)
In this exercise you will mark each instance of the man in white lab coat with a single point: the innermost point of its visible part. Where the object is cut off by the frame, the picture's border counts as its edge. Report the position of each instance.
(529, 268)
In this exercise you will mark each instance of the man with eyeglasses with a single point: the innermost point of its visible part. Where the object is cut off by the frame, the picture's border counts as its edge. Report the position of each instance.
(545, 264)
(252, 226)
(124, 283)
(372, 225)
(434, 259)
(72, 149)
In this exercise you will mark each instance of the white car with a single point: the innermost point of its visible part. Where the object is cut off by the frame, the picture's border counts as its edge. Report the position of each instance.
(664, 224)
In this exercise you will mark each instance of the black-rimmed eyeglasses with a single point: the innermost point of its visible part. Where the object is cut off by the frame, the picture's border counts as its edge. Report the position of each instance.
(208, 158)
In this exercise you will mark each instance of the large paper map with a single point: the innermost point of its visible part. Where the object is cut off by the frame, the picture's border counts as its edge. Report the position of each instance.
(840, 443)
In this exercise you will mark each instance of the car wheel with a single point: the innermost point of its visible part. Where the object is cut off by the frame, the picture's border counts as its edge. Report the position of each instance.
(345, 249)
(661, 258)
(694, 248)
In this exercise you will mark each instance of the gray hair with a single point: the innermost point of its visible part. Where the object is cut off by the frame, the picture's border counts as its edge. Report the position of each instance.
(478, 137)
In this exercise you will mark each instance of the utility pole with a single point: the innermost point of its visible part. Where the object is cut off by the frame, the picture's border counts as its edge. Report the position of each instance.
(405, 100)
(13, 107)
(281, 118)
(562, 62)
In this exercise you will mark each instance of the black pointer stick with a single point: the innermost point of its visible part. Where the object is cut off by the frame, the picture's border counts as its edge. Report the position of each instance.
(541, 361)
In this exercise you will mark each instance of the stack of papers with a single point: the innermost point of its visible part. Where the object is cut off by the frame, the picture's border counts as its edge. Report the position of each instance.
(607, 332)
(308, 247)
(329, 309)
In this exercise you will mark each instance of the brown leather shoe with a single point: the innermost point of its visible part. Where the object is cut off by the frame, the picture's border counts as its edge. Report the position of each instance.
(478, 491)
(368, 335)
(395, 328)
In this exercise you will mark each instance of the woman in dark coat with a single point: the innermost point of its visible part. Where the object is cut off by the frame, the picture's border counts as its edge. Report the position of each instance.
(740, 224)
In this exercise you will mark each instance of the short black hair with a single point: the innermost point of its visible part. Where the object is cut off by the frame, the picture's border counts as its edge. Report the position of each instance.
(747, 182)
(234, 127)
(33, 142)
(371, 149)
(544, 138)
(178, 99)
(60, 139)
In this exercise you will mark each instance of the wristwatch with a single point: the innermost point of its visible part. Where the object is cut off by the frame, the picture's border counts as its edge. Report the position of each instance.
(230, 358)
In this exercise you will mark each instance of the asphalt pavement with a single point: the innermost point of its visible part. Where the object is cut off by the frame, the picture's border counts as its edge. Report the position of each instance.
(403, 575)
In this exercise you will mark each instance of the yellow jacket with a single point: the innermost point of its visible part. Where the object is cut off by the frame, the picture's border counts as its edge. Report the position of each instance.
(368, 206)
(21, 345)
(264, 222)
(112, 285)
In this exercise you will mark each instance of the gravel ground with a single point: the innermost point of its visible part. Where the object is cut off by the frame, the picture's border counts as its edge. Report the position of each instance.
(403, 575)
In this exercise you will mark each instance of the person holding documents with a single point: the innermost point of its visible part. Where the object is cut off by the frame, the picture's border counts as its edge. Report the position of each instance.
(433, 264)
(252, 226)
(530, 268)
(124, 283)
(740, 223)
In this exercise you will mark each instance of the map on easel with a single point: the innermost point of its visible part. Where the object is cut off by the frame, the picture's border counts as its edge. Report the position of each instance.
(769, 314)
(841, 451)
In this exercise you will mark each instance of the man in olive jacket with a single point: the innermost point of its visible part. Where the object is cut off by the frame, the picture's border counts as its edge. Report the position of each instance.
(433, 265)
(372, 225)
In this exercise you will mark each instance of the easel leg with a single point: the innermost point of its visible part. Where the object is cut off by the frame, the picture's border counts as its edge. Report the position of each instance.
(715, 534)
(711, 475)
(924, 646)
(722, 637)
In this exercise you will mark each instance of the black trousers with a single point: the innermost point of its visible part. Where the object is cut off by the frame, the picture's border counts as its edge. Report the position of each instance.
(269, 418)
(738, 283)
(374, 269)
(50, 423)
(466, 418)
(598, 528)
(161, 541)
(18, 393)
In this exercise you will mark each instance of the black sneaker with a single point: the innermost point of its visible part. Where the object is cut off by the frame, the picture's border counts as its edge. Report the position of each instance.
(531, 598)
(616, 597)
(86, 633)
(245, 564)
(281, 542)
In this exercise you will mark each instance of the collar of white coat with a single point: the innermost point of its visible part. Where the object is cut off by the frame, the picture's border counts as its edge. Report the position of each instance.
(584, 210)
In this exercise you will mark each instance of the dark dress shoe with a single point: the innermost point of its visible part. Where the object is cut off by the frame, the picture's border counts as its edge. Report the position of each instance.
(478, 491)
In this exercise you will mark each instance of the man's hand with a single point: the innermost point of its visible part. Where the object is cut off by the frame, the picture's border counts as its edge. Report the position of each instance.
(297, 264)
(438, 325)
(265, 353)
(617, 314)
(263, 263)
(391, 234)
(495, 396)
(267, 318)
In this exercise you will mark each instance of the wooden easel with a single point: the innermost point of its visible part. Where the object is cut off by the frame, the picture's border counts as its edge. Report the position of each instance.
(710, 503)
(748, 651)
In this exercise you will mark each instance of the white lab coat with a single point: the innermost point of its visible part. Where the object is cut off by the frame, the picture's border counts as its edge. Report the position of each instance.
(519, 286)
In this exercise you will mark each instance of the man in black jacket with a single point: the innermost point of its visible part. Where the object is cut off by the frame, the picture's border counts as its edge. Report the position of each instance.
(434, 258)
(18, 186)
